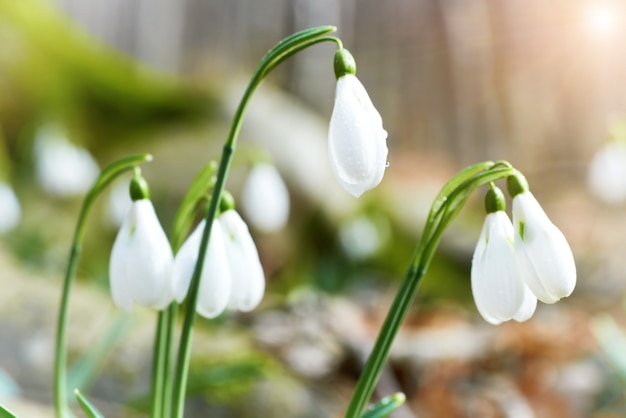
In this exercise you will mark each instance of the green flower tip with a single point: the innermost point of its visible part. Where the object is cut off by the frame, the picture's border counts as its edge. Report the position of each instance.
(227, 202)
(344, 63)
(494, 200)
(139, 188)
(516, 184)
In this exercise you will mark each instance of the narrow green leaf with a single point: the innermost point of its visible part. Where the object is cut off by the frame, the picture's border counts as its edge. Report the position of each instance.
(5, 413)
(385, 406)
(88, 408)
(186, 213)
(86, 367)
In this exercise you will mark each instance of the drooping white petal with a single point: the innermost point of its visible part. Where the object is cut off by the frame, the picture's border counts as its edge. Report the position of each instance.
(356, 139)
(544, 256)
(248, 279)
(265, 199)
(10, 208)
(606, 177)
(499, 292)
(62, 169)
(215, 281)
(141, 261)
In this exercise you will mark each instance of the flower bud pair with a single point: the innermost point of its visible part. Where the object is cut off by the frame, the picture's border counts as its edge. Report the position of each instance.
(232, 276)
(515, 264)
(143, 269)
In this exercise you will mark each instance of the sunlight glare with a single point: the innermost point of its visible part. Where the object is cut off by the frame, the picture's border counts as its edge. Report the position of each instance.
(602, 21)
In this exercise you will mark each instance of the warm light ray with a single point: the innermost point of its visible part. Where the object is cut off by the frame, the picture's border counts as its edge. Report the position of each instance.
(601, 20)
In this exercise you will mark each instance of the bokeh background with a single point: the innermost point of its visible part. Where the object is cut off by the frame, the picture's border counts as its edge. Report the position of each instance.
(541, 84)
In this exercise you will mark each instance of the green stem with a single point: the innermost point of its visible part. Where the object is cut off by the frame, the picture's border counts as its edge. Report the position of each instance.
(283, 50)
(60, 362)
(167, 371)
(158, 365)
(446, 206)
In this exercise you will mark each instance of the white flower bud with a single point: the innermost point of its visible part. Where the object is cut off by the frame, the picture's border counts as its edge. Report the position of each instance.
(265, 199)
(63, 169)
(141, 263)
(497, 286)
(248, 279)
(10, 208)
(356, 139)
(545, 258)
(215, 280)
(607, 173)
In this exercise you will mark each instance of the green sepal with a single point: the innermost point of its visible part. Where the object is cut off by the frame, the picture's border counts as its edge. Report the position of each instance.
(88, 408)
(227, 202)
(344, 63)
(495, 200)
(385, 406)
(139, 188)
(5, 413)
(516, 184)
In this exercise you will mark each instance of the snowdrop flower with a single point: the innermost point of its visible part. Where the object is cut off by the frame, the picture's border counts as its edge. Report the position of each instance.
(232, 275)
(544, 257)
(607, 173)
(141, 265)
(62, 169)
(265, 198)
(10, 208)
(497, 286)
(248, 279)
(356, 138)
(215, 281)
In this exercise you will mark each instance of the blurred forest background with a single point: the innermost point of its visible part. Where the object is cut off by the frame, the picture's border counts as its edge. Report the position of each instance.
(540, 84)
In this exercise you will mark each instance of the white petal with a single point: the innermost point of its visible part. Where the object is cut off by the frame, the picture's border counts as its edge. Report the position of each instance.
(544, 256)
(215, 284)
(265, 198)
(215, 280)
(356, 139)
(141, 262)
(248, 279)
(62, 169)
(498, 290)
(607, 173)
(10, 208)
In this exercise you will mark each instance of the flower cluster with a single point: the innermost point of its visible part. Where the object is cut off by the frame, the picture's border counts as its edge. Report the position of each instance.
(516, 264)
(143, 269)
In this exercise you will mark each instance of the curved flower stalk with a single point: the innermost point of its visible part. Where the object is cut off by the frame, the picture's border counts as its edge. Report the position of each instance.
(233, 276)
(141, 265)
(497, 286)
(110, 173)
(62, 168)
(545, 258)
(10, 208)
(447, 204)
(357, 143)
(279, 53)
(606, 176)
(265, 198)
